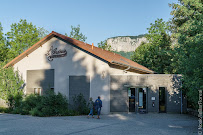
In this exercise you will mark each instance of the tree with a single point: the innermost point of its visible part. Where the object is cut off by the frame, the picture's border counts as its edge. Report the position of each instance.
(75, 33)
(157, 53)
(42, 32)
(22, 36)
(3, 47)
(187, 24)
(11, 86)
(104, 45)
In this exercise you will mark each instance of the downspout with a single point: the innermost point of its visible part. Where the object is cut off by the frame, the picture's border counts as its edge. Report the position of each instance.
(125, 70)
(181, 108)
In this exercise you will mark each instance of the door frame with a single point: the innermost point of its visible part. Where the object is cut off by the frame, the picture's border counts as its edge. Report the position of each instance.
(165, 98)
(136, 97)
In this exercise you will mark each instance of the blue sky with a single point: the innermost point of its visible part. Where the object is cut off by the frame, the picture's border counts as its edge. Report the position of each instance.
(98, 19)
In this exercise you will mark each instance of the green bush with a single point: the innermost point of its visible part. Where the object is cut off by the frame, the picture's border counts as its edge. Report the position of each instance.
(31, 101)
(80, 105)
(14, 101)
(50, 104)
(5, 110)
(72, 113)
(11, 86)
(35, 112)
(53, 105)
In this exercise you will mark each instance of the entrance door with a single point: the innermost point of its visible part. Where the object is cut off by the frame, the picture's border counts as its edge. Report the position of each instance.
(131, 95)
(142, 100)
(162, 102)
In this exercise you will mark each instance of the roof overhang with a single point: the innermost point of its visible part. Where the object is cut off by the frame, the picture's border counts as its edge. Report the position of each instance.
(134, 68)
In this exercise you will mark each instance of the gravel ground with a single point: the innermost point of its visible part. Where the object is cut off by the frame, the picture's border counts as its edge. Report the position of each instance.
(115, 124)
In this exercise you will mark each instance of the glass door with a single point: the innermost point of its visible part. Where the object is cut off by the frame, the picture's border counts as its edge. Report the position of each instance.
(142, 100)
(131, 95)
(162, 102)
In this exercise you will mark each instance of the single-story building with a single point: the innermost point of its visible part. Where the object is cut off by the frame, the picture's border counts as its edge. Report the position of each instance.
(71, 67)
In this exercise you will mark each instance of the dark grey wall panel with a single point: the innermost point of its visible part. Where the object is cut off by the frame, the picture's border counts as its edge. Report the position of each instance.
(174, 97)
(173, 103)
(152, 93)
(40, 79)
(153, 82)
(77, 85)
(118, 94)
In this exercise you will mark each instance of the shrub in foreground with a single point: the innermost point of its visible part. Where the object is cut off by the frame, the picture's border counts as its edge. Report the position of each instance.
(5, 110)
(80, 105)
(50, 104)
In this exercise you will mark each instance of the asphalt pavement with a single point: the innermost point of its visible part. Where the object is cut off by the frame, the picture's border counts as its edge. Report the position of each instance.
(114, 124)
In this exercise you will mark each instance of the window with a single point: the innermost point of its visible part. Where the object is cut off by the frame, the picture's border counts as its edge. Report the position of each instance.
(38, 91)
(52, 89)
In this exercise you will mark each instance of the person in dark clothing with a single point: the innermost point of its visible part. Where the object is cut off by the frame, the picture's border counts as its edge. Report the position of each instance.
(98, 106)
(91, 107)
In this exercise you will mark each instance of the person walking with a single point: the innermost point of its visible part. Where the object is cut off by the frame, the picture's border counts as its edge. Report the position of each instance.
(91, 107)
(98, 106)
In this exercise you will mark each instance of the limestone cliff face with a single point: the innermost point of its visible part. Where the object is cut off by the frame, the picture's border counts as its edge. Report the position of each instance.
(125, 43)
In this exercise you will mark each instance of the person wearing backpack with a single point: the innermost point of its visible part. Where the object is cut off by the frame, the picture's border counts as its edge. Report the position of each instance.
(98, 106)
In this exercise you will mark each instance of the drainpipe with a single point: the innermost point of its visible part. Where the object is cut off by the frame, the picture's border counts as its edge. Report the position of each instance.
(181, 99)
(125, 70)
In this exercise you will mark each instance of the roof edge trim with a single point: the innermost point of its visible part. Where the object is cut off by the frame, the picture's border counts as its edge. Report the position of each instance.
(150, 72)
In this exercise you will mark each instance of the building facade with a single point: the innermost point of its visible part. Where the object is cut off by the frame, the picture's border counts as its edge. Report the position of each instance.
(72, 67)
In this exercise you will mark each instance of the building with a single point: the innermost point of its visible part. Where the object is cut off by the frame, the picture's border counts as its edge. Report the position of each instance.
(72, 67)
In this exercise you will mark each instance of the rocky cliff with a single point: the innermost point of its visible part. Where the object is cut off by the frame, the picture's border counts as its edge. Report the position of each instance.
(125, 43)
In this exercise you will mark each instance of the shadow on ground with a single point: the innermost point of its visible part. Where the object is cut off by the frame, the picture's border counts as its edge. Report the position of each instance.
(114, 124)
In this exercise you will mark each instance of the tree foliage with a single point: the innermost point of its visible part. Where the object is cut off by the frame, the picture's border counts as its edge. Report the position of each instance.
(22, 36)
(187, 24)
(3, 47)
(80, 104)
(104, 45)
(157, 53)
(76, 34)
(11, 86)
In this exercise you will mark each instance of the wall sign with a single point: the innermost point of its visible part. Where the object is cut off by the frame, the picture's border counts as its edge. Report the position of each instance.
(54, 53)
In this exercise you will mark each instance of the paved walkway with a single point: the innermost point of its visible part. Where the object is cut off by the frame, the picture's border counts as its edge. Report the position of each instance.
(116, 124)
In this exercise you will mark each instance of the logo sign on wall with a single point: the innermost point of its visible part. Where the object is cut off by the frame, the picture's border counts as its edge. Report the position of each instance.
(55, 53)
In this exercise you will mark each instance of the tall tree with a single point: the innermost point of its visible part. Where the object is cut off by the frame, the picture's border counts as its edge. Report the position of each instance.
(11, 86)
(157, 53)
(104, 45)
(3, 47)
(76, 34)
(22, 36)
(187, 23)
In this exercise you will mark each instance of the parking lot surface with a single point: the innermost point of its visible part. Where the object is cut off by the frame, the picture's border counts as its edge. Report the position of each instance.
(114, 124)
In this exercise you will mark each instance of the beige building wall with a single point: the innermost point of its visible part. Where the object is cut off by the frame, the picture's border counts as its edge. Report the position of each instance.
(76, 63)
